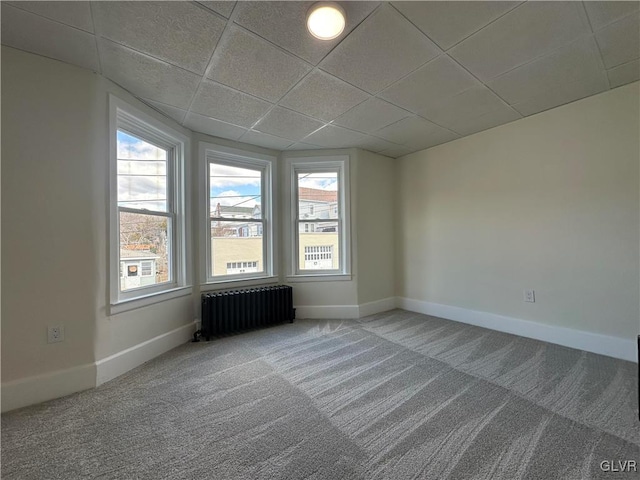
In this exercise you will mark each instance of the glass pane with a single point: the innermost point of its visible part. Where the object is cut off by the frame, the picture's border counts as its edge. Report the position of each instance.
(144, 250)
(142, 174)
(318, 195)
(236, 247)
(319, 246)
(235, 192)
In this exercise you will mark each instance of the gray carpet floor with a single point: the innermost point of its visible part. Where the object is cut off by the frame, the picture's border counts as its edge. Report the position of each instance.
(397, 395)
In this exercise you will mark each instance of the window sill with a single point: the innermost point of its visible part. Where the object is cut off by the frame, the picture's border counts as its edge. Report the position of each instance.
(146, 300)
(239, 283)
(319, 278)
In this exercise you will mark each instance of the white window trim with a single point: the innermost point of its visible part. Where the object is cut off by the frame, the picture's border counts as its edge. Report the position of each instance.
(237, 157)
(146, 126)
(329, 163)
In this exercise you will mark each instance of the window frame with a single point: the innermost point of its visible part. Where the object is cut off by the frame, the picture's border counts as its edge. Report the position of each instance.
(333, 163)
(234, 157)
(125, 117)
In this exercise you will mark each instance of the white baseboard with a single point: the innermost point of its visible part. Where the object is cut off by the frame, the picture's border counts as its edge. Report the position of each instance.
(115, 365)
(326, 311)
(47, 386)
(377, 306)
(616, 347)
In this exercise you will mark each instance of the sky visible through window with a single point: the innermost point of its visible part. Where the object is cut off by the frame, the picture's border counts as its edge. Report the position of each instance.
(234, 186)
(142, 174)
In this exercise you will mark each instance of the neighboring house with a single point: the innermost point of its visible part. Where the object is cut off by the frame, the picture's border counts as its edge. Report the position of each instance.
(137, 268)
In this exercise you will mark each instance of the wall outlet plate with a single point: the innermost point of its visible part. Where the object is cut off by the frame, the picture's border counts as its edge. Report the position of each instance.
(530, 296)
(55, 334)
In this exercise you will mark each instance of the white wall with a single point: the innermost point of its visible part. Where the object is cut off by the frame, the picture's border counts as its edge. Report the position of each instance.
(375, 226)
(548, 203)
(54, 217)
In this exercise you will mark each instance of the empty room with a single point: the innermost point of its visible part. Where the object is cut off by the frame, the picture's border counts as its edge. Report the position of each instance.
(333, 240)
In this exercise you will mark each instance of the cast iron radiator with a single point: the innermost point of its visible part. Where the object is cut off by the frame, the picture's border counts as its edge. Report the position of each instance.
(235, 310)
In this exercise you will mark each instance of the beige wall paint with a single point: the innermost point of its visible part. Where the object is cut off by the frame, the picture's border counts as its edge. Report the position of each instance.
(549, 203)
(375, 201)
(54, 217)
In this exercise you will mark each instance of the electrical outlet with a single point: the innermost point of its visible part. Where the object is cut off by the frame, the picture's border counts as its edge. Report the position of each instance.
(530, 296)
(55, 334)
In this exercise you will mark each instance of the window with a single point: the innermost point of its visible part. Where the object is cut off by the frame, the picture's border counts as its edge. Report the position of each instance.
(147, 205)
(239, 234)
(320, 231)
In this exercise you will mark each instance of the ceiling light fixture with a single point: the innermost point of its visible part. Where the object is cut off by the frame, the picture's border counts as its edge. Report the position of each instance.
(326, 20)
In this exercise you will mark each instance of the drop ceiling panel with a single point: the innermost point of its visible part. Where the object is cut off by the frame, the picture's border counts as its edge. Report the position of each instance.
(371, 115)
(620, 41)
(431, 138)
(147, 77)
(427, 86)
(409, 129)
(562, 95)
(304, 146)
(469, 104)
(175, 113)
(603, 13)
(526, 32)
(499, 116)
(447, 23)
(376, 144)
(74, 14)
(36, 34)
(252, 65)
(211, 126)
(332, 136)
(383, 49)
(180, 33)
(573, 63)
(229, 105)
(223, 8)
(265, 140)
(395, 152)
(623, 74)
(287, 124)
(323, 96)
(284, 23)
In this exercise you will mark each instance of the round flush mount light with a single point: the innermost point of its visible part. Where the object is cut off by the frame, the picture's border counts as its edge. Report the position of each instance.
(326, 20)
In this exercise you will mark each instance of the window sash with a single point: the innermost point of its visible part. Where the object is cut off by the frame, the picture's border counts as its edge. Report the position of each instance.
(264, 167)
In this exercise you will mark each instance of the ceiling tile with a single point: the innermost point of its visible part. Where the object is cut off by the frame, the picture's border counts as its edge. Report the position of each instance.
(252, 65)
(74, 14)
(229, 105)
(503, 114)
(371, 115)
(265, 140)
(395, 152)
(36, 34)
(576, 61)
(447, 23)
(438, 79)
(521, 35)
(175, 113)
(222, 7)
(376, 144)
(332, 136)
(323, 96)
(147, 77)
(211, 126)
(471, 103)
(620, 41)
(434, 137)
(180, 33)
(284, 23)
(409, 129)
(623, 74)
(287, 124)
(603, 13)
(383, 49)
(562, 95)
(304, 146)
